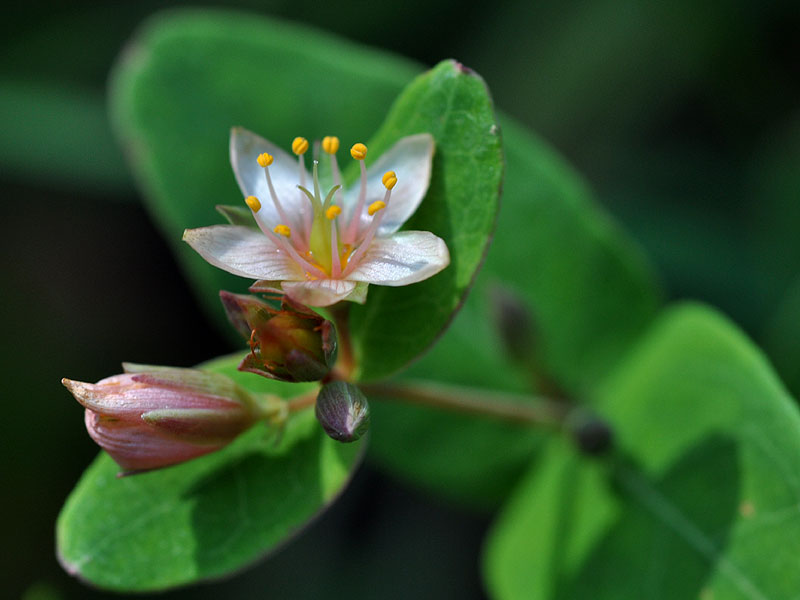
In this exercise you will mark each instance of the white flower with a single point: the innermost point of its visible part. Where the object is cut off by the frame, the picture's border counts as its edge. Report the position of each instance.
(322, 249)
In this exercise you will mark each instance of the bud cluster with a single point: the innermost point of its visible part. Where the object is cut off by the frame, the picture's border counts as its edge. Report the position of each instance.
(291, 344)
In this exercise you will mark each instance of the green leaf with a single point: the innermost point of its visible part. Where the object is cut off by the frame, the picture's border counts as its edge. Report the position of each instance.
(453, 104)
(782, 337)
(591, 294)
(207, 517)
(189, 76)
(699, 501)
(58, 135)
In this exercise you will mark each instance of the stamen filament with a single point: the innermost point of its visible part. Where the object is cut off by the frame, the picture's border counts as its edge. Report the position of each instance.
(368, 236)
(336, 263)
(330, 144)
(283, 243)
(281, 213)
(300, 147)
(355, 218)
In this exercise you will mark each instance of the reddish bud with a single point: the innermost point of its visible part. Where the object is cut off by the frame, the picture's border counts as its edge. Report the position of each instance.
(292, 343)
(156, 416)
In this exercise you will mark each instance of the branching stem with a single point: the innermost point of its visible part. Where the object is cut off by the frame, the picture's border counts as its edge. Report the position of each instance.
(518, 408)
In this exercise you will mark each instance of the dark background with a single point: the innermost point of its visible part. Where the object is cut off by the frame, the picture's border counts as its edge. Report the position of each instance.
(683, 117)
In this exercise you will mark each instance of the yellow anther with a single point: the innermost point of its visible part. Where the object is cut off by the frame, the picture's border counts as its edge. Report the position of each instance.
(358, 151)
(283, 230)
(330, 144)
(254, 203)
(333, 212)
(265, 159)
(299, 145)
(389, 179)
(376, 206)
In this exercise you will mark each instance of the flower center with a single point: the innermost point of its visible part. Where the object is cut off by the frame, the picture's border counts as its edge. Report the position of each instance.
(325, 243)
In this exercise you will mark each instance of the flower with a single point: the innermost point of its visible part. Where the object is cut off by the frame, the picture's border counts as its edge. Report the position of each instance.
(320, 250)
(153, 417)
(291, 344)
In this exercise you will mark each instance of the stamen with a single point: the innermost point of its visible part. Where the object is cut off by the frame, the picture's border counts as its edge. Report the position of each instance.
(254, 203)
(333, 212)
(336, 263)
(359, 152)
(364, 245)
(300, 146)
(265, 160)
(330, 144)
(375, 207)
(376, 210)
(282, 242)
(389, 179)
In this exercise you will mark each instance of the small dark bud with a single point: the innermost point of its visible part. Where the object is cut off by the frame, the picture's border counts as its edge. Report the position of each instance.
(292, 343)
(514, 323)
(343, 412)
(593, 436)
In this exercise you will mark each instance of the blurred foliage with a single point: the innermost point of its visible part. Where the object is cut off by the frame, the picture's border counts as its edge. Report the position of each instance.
(712, 497)
(682, 116)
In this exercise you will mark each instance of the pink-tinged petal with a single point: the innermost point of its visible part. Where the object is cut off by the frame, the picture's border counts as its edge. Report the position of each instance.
(263, 286)
(127, 396)
(136, 446)
(245, 146)
(320, 292)
(403, 258)
(242, 251)
(410, 158)
(199, 425)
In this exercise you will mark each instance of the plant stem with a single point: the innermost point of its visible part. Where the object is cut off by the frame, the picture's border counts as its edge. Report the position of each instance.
(303, 401)
(517, 408)
(340, 313)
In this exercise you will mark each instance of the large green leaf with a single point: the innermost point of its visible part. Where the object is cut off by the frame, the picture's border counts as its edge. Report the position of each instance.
(699, 501)
(590, 292)
(782, 337)
(453, 104)
(189, 76)
(58, 135)
(210, 516)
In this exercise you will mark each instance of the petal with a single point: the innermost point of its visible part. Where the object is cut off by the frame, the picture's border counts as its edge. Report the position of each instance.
(403, 258)
(245, 146)
(319, 292)
(411, 159)
(242, 251)
(136, 446)
(126, 397)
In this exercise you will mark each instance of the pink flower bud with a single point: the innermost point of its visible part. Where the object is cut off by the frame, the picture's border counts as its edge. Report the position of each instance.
(291, 344)
(153, 417)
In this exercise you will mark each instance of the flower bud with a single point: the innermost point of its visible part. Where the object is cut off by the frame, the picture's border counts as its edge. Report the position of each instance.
(513, 322)
(290, 344)
(592, 435)
(153, 417)
(343, 412)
